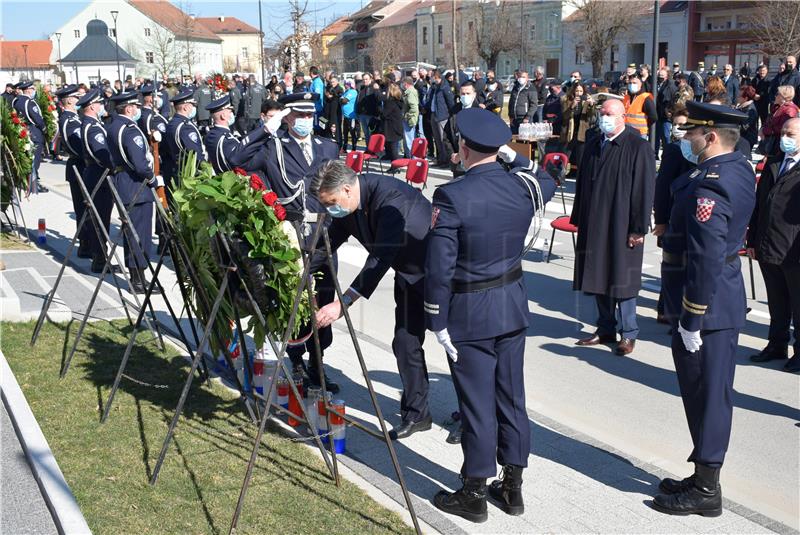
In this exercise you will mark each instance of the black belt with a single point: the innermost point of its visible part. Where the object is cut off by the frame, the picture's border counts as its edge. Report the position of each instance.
(679, 259)
(459, 287)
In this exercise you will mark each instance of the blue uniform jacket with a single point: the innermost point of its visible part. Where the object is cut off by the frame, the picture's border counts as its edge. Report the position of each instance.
(226, 151)
(96, 152)
(710, 212)
(29, 111)
(69, 128)
(182, 136)
(673, 165)
(131, 154)
(479, 224)
(392, 223)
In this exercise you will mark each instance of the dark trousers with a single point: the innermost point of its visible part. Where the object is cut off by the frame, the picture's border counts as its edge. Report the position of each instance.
(351, 131)
(409, 335)
(78, 202)
(427, 129)
(137, 255)
(104, 202)
(439, 138)
(393, 150)
(489, 381)
(325, 292)
(38, 154)
(706, 383)
(617, 315)
(783, 299)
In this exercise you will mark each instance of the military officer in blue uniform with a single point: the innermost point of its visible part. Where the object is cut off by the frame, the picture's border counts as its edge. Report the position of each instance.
(28, 110)
(391, 220)
(705, 297)
(477, 305)
(154, 126)
(96, 160)
(69, 131)
(182, 136)
(134, 166)
(226, 151)
(290, 161)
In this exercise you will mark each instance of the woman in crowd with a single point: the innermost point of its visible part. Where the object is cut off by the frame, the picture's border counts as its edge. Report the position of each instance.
(746, 104)
(577, 108)
(715, 90)
(332, 108)
(350, 126)
(782, 110)
(272, 83)
(392, 127)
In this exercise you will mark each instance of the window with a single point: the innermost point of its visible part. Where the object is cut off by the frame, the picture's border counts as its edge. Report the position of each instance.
(470, 25)
(244, 53)
(551, 30)
(439, 35)
(76, 33)
(148, 57)
(580, 57)
(147, 32)
(533, 31)
(718, 23)
(424, 35)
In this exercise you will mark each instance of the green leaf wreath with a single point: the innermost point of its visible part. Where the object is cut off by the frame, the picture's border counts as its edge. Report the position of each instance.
(252, 219)
(48, 108)
(17, 156)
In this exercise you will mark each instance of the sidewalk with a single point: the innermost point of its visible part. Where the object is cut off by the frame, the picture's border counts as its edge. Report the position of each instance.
(574, 483)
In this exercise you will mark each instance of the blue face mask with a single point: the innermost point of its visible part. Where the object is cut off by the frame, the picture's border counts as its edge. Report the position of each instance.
(788, 145)
(138, 115)
(101, 112)
(303, 126)
(633, 88)
(607, 124)
(337, 211)
(686, 150)
(193, 113)
(231, 119)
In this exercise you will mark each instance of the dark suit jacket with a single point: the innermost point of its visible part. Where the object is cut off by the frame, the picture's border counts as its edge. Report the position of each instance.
(775, 224)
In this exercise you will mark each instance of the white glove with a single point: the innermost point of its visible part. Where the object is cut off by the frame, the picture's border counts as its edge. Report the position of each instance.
(506, 153)
(274, 123)
(443, 337)
(156, 135)
(691, 339)
(156, 182)
(150, 159)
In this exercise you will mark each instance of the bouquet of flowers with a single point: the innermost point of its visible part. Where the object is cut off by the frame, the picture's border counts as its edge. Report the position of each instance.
(17, 153)
(48, 107)
(220, 85)
(263, 246)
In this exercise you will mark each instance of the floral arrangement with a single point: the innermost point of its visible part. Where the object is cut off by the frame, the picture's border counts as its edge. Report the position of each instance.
(220, 85)
(48, 107)
(263, 246)
(17, 157)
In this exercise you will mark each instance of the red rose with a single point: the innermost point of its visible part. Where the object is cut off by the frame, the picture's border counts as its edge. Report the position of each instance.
(23, 134)
(256, 183)
(15, 120)
(239, 171)
(280, 211)
(51, 108)
(269, 198)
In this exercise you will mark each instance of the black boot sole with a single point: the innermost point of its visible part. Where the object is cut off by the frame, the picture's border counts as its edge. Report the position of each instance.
(513, 510)
(477, 518)
(711, 513)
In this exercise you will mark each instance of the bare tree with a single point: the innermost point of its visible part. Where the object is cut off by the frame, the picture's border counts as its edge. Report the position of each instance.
(775, 26)
(185, 30)
(382, 49)
(165, 52)
(495, 29)
(599, 23)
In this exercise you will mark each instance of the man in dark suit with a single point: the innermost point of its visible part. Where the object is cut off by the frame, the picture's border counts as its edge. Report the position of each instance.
(731, 82)
(442, 103)
(774, 240)
(665, 92)
(391, 220)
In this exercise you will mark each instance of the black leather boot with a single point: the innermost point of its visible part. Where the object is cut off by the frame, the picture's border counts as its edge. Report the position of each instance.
(99, 262)
(508, 490)
(146, 283)
(83, 250)
(315, 378)
(704, 497)
(467, 502)
(137, 284)
(672, 486)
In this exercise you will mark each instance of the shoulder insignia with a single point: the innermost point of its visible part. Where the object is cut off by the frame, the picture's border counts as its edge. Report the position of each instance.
(705, 207)
(139, 141)
(712, 175)
(161, 127)
(317, 141)
(100, 138)
(307, 96)
(695, 173)
(193, 137)
(285, 139)
(434, 216)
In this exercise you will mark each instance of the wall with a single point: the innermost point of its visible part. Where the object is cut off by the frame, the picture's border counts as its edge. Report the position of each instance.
(232, 45)
(9, 76)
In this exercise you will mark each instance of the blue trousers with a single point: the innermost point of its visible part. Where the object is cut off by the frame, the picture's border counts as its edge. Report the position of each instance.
(706, 382)
(663, 134)
(614, 313)
(104, 202)
(490, 384)
(137, 255)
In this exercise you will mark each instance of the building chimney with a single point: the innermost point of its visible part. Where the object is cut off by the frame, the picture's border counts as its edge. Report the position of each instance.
(222, 18)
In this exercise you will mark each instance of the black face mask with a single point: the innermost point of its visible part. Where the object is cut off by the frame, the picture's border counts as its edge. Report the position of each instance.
(490, 80)
(661, 78)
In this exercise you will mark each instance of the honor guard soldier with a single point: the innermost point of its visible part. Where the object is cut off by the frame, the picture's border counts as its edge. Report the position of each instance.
(134, 160)
(226, 151)
(27, 108)
(477, 305)
(154, 127)
(97, 160)
(391, 220)
(182, 136)
(705, 297)
(290, 162)
(69, 130)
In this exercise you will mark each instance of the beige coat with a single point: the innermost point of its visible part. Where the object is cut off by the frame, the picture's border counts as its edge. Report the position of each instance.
(568, 126)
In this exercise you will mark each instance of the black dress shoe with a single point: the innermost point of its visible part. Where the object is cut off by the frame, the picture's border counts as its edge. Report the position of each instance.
(99, 263)
(793, 366)
(408, 428)
(455, 436)
(137, 285)
(467, 502)
(673, 486)
(702, 497)
(83, 251)
(508, 490)
(767, 355)
(597, 339)
(314, 380)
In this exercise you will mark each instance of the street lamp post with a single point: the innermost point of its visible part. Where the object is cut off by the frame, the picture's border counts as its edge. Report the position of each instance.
(116, 41)
(60, 67)
(25, 50)
(261, 41)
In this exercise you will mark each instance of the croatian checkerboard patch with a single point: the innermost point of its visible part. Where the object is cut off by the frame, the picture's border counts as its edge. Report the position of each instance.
(704, 208)
(434, 216)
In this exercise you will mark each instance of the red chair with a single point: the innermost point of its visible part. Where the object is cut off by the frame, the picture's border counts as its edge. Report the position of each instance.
(561, 223)
(375, 147)
(419, 151)
(355, 160)
(417, 172)
(559, 161)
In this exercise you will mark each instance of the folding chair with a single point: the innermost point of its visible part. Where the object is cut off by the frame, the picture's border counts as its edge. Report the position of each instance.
(419, 151)
(417, 172)
(561, 223)
(377, 143)
(355, 160)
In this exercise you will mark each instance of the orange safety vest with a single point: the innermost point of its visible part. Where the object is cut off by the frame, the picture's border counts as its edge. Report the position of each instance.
(634, 112)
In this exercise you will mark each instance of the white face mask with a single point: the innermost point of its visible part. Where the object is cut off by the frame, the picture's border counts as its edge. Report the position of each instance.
(466, 100)
(607, 124)
(677, 133)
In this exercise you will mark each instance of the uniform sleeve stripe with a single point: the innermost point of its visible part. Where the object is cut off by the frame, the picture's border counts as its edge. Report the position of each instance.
(694, 305)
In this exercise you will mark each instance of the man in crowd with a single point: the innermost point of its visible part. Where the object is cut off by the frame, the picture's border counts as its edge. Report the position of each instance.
(391, 220)
(422, 86)
(367, 105)
(317, 87)
(493, 95)
(705, 298)
(665, 92)
(551, 111)
(203, 95)
(237, 103)
(731, 82)
(683, 93)
(287, 83)
(676, 70)
(697, 81)
(27, 108)
(442, 102)
(69, 127)
(774, 240)
(540, 83)
(9, 94)
(640, 109)
(790, 76)
(480, 83)
(761, 83)
(255, 95)
(331, 119)
(522, 103)
(613, 201)
(410, 113)
(154, 128)
(644, 76)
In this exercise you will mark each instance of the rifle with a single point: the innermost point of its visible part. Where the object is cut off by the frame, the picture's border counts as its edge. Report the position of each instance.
(162, 195)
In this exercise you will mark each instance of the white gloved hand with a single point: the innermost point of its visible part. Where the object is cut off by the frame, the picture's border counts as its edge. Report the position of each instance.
(274, 123)
(156, 182)
(443, 337)
(156, 136)
(691, 339)
(150, 159)
(506, 153)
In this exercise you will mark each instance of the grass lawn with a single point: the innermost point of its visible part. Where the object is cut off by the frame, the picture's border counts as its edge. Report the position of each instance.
(9, 241)
(108, 466)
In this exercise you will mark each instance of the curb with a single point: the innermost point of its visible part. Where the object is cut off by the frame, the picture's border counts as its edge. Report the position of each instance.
(57, 495)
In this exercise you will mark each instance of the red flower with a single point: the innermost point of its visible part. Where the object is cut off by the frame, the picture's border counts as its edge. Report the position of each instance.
(15, 120)
(269, 198)
(280, 211)
(239, 171)
(23, 134)
(51, 108)
(256, 183)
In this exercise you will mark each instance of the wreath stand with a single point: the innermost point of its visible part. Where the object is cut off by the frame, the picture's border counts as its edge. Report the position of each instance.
(15, 206)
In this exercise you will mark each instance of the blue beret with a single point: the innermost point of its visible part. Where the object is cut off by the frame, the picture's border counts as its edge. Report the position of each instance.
(482, 130)
(125, 98)
(220, 103)
(186, 94)
(712, 115)
(68, 91)
(91, 96)
(302, 102)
